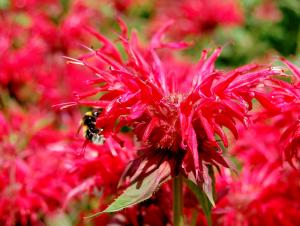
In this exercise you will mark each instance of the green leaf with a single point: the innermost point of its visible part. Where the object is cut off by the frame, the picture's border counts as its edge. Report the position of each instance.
(209, 183)
(140, 190)
(202, 198)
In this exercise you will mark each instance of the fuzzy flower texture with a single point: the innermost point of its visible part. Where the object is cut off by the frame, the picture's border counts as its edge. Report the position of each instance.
(177, 115)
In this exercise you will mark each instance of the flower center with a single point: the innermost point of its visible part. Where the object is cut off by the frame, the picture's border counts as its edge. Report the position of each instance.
(167, 134)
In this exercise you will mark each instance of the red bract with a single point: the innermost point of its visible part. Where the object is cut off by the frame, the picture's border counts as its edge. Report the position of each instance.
(291, 142)
(172, 123)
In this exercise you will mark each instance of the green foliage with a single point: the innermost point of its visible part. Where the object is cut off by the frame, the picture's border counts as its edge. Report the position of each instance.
(256, 38)
(205, 194)
(140, 190)
(202, 198)
(259, 37)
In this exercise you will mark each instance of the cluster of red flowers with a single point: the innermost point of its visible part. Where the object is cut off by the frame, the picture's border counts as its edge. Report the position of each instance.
(149, 115)
(198, 17)
(34, 166)
(267, 184)
(267, 190)
(177, 124)
(41, 172)
(34, 37)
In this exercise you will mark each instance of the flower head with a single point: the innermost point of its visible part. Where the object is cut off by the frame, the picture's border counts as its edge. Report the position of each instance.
(195, 17)
(32, 49)
(286, 116)
(260, 193)
(291, 117)
(174, 120)
(31, 190)
(264, 186)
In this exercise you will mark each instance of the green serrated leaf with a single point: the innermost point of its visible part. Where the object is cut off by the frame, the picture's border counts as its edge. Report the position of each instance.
(202, 198)
(140, 191)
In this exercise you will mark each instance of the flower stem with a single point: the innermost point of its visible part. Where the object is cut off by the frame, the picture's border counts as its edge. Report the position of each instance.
(177, 201)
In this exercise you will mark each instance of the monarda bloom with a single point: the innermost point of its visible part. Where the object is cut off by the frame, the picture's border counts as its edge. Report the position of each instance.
(32, 50)
(286, 96)
(291, 136)
(178, 123)
(194, 17)
(265, 195)
(265, 186)
(34, 171)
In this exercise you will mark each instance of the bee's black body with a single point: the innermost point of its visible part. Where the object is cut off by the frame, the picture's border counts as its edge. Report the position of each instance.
(91, 132)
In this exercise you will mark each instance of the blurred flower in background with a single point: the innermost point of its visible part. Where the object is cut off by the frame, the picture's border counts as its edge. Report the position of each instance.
(33, 43)
(266, 185)
(34, 167)
(197, 17)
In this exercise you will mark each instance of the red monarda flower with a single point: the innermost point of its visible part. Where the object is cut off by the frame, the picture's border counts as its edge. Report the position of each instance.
(32, 51)
(265, 186)
(268, 10)
(286, 96)
(291, 136)
(35, 168)
(265, 195)
(174, 120)
(195, 17)
(254, 154)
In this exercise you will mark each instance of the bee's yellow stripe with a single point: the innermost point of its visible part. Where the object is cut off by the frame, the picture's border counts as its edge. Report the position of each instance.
(84, 129)
(89, 113)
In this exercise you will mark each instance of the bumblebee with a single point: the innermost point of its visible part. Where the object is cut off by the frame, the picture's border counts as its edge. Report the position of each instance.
(88, 125)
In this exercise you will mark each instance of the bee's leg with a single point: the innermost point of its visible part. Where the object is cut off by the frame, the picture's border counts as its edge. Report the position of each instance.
(79, 128)
(82, 151)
